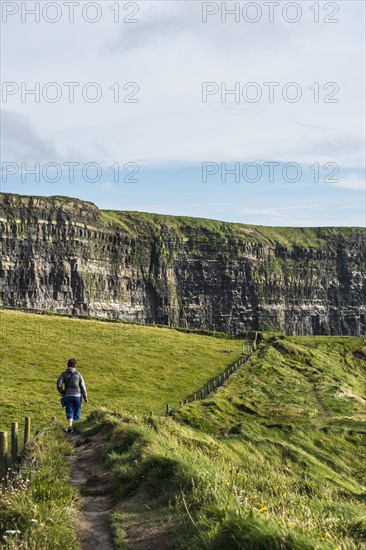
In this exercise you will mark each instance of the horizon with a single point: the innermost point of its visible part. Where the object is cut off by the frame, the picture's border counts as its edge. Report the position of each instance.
(65, 197)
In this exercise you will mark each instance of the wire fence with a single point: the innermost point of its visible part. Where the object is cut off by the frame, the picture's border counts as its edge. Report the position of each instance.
(219, 380)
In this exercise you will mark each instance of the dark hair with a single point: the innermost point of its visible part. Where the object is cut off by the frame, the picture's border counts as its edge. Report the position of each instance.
(71, 363)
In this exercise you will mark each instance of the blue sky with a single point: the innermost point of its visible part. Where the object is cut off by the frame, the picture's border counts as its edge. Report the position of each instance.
(170, 132)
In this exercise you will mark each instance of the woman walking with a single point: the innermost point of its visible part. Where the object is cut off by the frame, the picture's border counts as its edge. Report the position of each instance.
(71, 386)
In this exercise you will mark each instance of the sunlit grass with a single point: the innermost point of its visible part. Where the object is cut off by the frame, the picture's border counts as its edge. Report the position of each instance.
(39, 505)
(133, 367)
(261, 489)
(274, 460)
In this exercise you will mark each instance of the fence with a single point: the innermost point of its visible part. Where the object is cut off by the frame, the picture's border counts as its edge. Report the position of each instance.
(5, 460)
(221, 378)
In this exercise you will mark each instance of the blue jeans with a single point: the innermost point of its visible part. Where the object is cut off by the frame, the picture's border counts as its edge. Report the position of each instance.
(73, 407)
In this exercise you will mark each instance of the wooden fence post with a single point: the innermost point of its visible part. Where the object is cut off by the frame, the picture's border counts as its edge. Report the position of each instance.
(27, 429)
(167, 410)
(3, 450)
(216, 382)
(14, 442)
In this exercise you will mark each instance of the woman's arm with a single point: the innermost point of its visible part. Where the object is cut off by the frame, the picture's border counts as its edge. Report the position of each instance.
(83, 388)
(59, 383)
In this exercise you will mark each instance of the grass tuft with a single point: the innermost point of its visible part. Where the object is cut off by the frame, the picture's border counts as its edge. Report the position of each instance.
(38, 503)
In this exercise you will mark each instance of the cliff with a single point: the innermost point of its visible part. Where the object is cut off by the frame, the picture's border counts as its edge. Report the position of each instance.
(66, 255)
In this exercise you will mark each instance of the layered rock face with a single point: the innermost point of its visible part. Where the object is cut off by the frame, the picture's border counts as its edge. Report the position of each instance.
(67, 256)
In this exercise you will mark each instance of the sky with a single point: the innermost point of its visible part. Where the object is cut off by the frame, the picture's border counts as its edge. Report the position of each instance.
(250, 112)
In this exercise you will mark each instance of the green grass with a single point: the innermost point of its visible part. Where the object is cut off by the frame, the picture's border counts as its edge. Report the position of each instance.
(260, 489)
(274, 460)
(39, 502)
(317, 380)
(136, 368)
(184, 228)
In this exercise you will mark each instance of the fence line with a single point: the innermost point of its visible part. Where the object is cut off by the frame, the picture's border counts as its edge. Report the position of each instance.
(219, 380)
(6, 460)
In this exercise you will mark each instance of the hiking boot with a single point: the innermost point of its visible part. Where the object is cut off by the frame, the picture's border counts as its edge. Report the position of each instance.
(70, 430)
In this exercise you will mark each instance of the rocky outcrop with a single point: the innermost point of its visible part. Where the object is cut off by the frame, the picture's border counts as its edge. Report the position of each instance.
(65, 255)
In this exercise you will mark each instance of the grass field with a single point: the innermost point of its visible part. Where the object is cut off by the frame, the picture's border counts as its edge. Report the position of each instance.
(130, 367)
(274, 460)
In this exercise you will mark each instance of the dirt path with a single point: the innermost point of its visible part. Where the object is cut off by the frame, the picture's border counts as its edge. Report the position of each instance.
(95, 485)
(90, 477)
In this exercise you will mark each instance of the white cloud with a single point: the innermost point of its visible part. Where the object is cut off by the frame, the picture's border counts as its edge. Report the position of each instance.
(352, 181)
(20, 140)
(169, 54)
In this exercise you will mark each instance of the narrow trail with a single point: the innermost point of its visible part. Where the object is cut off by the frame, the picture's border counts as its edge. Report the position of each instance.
(88, 475)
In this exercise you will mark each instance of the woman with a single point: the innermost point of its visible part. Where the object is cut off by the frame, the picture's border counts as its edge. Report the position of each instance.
(71, 385)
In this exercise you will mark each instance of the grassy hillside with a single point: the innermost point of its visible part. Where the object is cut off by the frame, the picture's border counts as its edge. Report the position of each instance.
(184, 227)
(274, 460)
(130, 367)
(307, 381)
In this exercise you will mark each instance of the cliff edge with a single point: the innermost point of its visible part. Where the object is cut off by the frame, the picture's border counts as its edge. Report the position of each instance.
(66, 255)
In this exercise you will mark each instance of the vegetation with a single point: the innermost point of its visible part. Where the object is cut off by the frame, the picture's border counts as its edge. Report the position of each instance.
(131, 367)
(38, 505)
(274, 460)
(184, 228)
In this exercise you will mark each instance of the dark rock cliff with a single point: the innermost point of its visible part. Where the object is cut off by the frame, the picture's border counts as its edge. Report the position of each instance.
(65, 255)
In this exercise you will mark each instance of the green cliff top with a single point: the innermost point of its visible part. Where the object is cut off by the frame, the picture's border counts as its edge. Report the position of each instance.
(173, 227)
